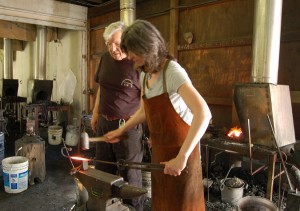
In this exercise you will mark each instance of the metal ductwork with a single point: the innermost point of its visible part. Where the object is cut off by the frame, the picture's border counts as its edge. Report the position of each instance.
(8, 59)
(127, 11)
(40, 53)
(8, 85)
(266, 41)
(40, 89)
(263, 97)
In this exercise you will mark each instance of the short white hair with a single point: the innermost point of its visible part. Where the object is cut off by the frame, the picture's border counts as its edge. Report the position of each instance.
(112, 29)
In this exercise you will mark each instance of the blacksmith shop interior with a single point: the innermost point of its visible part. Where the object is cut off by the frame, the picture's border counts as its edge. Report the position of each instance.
(242, 56)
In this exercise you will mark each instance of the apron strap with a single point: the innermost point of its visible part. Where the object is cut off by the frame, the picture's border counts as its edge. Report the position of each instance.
(144, 84)
(164, 79)
(164, 76)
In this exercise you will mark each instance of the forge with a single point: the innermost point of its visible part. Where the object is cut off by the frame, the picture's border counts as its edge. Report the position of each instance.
(263, 106)
(39, 91)
(9, 88)
(254, 102)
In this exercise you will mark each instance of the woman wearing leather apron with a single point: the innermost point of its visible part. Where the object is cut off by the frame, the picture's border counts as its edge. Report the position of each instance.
(177, 117)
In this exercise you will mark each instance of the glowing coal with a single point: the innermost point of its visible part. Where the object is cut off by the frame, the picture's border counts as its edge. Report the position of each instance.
(235, 133)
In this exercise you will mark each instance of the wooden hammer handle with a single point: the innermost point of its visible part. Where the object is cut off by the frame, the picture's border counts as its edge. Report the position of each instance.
(98, 139)
(104, 139)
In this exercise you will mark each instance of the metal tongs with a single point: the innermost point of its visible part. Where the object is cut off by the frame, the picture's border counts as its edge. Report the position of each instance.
(121, 163)
(143, 166)
(136, 165)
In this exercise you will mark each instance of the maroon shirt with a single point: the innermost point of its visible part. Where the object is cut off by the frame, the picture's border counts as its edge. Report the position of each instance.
(119, 87)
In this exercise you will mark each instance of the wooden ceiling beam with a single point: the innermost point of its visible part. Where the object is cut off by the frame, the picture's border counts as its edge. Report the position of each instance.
(97, 1)
(17, 31)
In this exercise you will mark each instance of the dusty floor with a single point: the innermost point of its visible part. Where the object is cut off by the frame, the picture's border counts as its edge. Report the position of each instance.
(56, 193)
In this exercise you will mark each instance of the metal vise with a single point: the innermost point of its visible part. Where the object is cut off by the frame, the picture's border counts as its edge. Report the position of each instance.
(105, 190)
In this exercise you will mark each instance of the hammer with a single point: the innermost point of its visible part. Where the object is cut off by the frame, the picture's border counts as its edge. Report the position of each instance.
(85, 140)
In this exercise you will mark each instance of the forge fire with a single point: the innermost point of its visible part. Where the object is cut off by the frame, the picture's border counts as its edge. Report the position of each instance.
(235, 133)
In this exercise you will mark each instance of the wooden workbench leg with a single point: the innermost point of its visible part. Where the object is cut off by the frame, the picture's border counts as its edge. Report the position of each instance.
(271, 171)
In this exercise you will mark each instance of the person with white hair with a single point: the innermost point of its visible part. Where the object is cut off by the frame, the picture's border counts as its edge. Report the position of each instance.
(118, 97)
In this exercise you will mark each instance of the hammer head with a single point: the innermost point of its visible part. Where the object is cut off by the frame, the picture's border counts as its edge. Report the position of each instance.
(85, 143)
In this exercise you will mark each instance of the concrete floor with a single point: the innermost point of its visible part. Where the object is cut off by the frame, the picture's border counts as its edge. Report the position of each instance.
(56, 193)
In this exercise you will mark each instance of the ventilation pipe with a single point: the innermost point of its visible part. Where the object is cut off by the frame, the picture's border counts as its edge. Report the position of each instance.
(266, 41)
(8, 85)
(127, 11)
(8, 59)
(263, 102)
(40, 53)
(40, 89)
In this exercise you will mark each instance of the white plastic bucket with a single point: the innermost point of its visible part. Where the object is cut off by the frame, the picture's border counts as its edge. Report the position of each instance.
(55, 134)
(15, 174)
(232, 190)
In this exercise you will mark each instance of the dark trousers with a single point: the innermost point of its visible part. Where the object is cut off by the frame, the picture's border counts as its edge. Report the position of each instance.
(129, 149)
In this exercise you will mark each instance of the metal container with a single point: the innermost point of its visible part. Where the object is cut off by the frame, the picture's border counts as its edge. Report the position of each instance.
(72, 135)
(232, 190)
(146, 181)
(55, 134)
(85, 143)
(250, 203)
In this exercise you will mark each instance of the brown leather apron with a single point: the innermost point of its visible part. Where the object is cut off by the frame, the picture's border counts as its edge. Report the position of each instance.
(168, 132)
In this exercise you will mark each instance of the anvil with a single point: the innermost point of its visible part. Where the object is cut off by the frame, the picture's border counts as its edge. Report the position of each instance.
(105, 190)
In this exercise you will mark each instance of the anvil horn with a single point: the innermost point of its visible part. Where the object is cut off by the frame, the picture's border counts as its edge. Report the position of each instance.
(126, 191)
